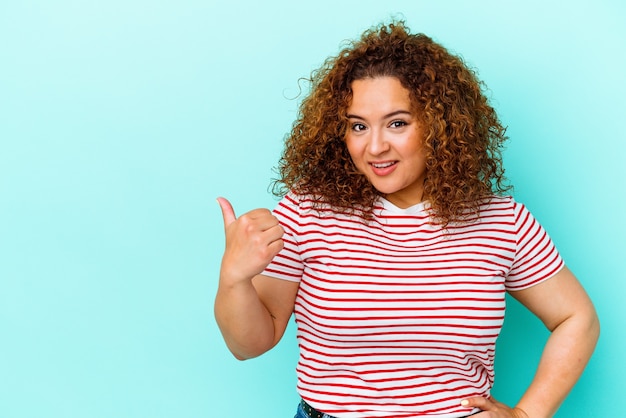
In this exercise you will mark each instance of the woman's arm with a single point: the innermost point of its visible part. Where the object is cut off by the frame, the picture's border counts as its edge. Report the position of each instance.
(251, 310)
(253, 316)
(564, 307)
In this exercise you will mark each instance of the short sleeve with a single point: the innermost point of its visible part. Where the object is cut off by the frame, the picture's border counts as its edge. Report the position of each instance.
(536, 257)
(287, 264)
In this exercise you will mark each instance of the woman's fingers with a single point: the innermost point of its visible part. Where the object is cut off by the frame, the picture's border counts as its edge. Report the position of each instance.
(492, 408)
(477, 402)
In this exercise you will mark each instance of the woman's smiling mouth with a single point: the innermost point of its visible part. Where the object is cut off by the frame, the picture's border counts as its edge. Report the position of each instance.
(383, 168)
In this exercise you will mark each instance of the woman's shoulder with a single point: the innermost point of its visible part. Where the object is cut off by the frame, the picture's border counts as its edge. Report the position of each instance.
(504, 202)
(304, 204)
(303, 201)
(506, 206)
(497, 205)
(314, 206)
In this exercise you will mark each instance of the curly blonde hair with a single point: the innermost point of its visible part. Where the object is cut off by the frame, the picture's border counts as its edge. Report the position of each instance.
(463, 136)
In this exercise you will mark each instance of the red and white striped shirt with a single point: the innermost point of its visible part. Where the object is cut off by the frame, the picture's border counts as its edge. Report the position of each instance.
(397, 317)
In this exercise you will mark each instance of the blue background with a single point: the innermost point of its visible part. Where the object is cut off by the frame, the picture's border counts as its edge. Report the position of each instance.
(122, 121)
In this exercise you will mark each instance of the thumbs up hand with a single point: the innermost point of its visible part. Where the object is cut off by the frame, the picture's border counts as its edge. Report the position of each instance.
(252, 241)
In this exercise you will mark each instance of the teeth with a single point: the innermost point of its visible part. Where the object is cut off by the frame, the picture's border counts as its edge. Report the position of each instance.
(383, 165)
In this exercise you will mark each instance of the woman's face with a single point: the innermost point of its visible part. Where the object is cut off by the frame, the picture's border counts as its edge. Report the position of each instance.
(384, 139)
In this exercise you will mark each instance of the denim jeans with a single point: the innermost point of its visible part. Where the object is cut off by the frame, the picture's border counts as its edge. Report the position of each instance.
(301, 414)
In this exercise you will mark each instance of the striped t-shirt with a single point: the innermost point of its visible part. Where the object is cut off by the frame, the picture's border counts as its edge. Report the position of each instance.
(397, 317)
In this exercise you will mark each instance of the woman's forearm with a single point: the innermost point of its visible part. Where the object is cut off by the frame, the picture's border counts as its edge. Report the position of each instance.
(245, 322)
(564, 358)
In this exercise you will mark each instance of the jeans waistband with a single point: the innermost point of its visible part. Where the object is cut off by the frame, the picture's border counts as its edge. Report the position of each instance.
(314, 413)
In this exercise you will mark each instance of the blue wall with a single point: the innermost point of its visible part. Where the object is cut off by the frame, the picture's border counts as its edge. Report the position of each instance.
(120, 122)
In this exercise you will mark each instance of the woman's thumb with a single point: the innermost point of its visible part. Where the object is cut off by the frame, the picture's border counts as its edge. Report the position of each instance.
(227, 211)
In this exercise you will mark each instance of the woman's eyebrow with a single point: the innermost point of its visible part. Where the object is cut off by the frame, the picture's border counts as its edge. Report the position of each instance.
(387, 116)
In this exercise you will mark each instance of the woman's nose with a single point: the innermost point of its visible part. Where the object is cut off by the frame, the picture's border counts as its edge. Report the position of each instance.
(377, 143)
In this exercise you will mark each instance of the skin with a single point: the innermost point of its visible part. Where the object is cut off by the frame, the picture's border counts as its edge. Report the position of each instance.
(385, 141)
(252, 310)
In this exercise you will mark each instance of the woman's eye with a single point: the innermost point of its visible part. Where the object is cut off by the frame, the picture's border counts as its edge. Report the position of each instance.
(398, 124)
(358, 127)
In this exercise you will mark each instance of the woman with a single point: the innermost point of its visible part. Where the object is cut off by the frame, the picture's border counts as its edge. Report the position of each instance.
(394, 245)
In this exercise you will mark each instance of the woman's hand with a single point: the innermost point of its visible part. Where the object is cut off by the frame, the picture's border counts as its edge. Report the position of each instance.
(251, 310)
(492, 409)
(252, 241)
